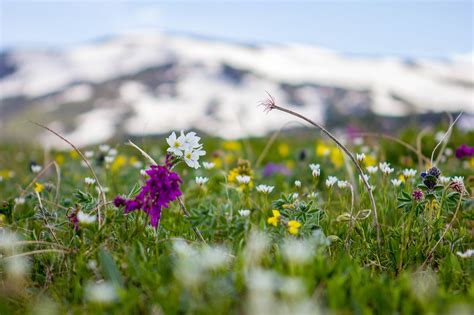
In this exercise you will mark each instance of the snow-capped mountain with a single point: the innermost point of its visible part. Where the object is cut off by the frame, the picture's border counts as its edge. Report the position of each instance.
(151, 83)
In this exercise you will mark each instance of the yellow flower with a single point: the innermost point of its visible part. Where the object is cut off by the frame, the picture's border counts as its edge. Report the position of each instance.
(74, 154)
(274, 220)
(336, 157)
(39, 187)
(322, 149)
(133, 160)
(369, 160)
(402, 178)
(283, 150)
(217, 161)
(60, 158)
(293, 227)
(232, 145)
(118, 163)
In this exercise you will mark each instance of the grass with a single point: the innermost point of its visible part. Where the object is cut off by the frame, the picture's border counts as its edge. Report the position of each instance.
(333, 264)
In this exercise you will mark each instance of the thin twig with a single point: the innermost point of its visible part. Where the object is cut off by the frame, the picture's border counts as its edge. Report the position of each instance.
(101, 190)
(39, 251)
(448, 132)
(269, 105)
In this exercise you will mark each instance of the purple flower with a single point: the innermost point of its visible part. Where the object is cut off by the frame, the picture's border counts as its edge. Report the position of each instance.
(273, 168)
(464, 151)
(74, 220)
(417, 195)
(162, 187)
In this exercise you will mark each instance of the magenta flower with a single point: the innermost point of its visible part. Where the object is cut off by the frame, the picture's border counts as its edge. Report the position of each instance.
(417, 195)
(162, 187)
(464, 151)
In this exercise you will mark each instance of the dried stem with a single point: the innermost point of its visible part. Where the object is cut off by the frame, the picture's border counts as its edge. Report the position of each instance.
(101, 190)
(269, 105)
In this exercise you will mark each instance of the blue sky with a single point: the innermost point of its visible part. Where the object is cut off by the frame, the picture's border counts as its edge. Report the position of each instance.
(402, 28)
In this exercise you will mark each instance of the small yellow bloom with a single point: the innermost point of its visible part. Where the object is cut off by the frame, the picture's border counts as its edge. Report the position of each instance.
(59, 159)
(74, 154)
(402, 178)
(118, 163)
(283, 150)
(293, 227)
(322, 149)
(232, 145)
(369, 160)
(39, 187)
(133, 160)
(274, 220)
(336, 157)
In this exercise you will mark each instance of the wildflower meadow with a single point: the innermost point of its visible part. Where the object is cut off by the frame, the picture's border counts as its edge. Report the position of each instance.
(305, 222)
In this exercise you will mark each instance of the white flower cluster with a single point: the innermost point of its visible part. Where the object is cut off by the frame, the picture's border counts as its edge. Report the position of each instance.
(89, 181)
(315, 169)
(243, 179)
(444, 180)
(372, 169)
(331, 180)
(396, 182)
(200, 180)
(85, 218)
(342, 184)
(385, 168)
(35, 168)
(186, 146)
(265, 189)
(244, 212)
(409, 172)
(298, 183)
(360, 157)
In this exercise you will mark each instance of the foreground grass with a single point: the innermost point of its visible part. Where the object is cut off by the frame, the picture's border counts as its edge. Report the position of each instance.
(333, 264)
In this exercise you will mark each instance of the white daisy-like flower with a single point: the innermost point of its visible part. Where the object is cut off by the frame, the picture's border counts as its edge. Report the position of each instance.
(89, 154)
(265, 189)
(458, 179)
(331, 180)
(104, 148)
(298, 183)
(85, 218)
(191, 140)
(315, 170)
(112, 152)
(360, 157)
(19, 201)
(109, 159)
(372, 169)
(208, 165)
(191, 157)
(244, 212)
(342, 184)
(143, 173)
(35, 168)
(201, 180)
(243, 179)
(385, 168)
(89, 181)
(409, 172)
(295, 195)
(444, 179)
(396, 182)
(177, 144)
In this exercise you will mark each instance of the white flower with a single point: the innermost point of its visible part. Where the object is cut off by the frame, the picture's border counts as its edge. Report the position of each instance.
(385, 168)
(109, 159)
(372, 169)
(103, 292)
(372, 187)
(295, 195)
(360, 157)
(396, 182)
(35, 168)
(342, 184)
(104, 148)
(137, 164)
(208, 165)
(112, 152)
(85, 218)
(243, 179)
(244, 212)
(200, 180)
(330, 181)
(409, 172)
(89, 181)
(448, 152)
(459, 179)
(89, 154)
(192, 157)
(143, 173)
(365, 176)
(264, 189)
(444, 179)
(316, 173)
(191, 140)
(177, 144)
(298, 183)
(468, 253)
(19, 201)
(314, 167)
(439, 136)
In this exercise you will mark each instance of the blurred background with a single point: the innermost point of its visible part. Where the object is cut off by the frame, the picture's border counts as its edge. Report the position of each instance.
(102, 70)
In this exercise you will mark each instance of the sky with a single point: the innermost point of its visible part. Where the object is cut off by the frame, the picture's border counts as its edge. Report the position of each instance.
(436, 29)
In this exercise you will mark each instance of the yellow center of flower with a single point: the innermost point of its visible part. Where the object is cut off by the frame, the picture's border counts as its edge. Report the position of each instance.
(188, 156)
(176, 144)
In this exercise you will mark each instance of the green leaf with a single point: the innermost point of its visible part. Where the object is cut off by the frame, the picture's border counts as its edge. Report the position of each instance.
(109, 268)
